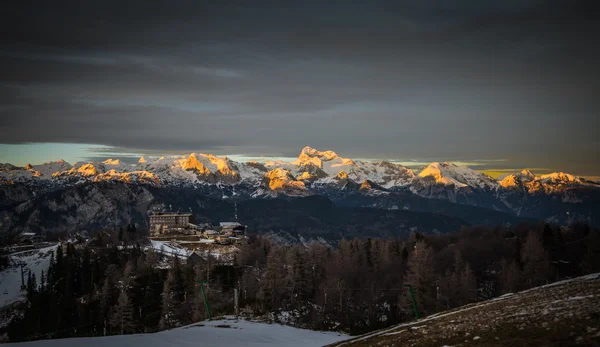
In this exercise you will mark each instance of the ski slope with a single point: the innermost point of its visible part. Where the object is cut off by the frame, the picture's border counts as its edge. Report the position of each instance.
(10, 279)
(224, 332)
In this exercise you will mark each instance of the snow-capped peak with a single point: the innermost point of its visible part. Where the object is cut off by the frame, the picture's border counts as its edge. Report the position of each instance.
(314, 153)
(279, 179)
(47, 169)
(526, 174)
(111, 161)
(193, 164)
(459, 176)
(312, 171)
(87, 170)
(516, 179)
(560, 177)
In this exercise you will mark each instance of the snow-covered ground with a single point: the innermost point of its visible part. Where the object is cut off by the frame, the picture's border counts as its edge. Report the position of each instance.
(10, 279)
(170, 249)
(223, 254)
(225, 332)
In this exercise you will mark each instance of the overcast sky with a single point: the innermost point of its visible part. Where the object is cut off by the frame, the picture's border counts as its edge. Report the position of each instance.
(516, 83)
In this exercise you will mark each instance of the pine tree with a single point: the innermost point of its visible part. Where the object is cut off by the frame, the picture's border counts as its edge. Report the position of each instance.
(129, 275)
(511, 276)
(468, 285)
(106, 299)
(30, 286)
(50, 276)
(86, 271)
(152, 257)
(121, 318)
(421, 277)
(269, 286)
(536, 264)
(42, 287)
(168, 319)
(300, 278)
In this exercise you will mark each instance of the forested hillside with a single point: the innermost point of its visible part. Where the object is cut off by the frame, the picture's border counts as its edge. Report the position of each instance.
(356, 287)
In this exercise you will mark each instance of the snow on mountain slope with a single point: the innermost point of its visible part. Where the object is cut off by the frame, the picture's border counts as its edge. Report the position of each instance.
(560, 178)
(516, 179)
(47, 169)
(113, 162)
(282, 180)
(208, 163)
(19, 175)
(193, 164)
(458, 176)
(556, 182)
(384, 173)
(331, 165)
(227, 332)
(35, 261)
(143, 177)
(313, 170)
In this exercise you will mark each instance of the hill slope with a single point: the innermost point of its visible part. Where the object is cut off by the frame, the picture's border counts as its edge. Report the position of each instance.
(560, 314)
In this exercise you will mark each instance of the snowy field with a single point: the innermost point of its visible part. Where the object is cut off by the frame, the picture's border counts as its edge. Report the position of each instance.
(225, 332)
(10, 279)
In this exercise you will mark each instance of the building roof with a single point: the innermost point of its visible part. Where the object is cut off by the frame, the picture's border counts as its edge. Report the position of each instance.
(171, 214)
(230, 224)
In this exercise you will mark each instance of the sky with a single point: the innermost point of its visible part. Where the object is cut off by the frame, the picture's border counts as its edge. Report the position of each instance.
(507, 84)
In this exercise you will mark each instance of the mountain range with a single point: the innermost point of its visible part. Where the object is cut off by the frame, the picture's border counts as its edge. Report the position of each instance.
(444, 188)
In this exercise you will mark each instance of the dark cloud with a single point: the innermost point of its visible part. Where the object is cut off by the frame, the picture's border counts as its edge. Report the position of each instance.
(515, 80)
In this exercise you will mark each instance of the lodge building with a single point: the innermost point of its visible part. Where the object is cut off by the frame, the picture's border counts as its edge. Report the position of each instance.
(168, 222)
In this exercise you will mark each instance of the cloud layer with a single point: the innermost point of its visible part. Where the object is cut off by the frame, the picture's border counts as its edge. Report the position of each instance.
(388, 79)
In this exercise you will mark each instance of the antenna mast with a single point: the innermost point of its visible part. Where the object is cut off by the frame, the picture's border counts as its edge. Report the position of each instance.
(236, 214)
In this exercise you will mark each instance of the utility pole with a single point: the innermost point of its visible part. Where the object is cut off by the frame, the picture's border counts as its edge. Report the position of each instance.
(412, 298)
(208, 267)
(236, 308)
(23, 287)
(236, 210)
(204, 296)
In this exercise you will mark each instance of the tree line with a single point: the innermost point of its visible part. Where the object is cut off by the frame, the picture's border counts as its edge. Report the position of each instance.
(357, 286)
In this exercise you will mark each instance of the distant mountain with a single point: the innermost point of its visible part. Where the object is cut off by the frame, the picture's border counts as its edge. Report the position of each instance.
(95, 206)
(345, 181)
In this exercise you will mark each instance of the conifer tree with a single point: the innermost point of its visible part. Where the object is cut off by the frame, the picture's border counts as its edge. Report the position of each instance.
(536, 264)
(299, 276)
(168, 319)
(420, 275)
(86, 269)
(511, 276)
(121, 318)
